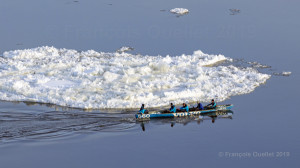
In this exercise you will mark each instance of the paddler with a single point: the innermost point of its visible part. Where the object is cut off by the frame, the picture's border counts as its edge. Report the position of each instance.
(172, 109)
(142, 109)
(212, 105)
(184, 107)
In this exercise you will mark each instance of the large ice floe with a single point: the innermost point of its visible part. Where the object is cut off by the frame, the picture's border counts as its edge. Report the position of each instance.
(90, 79)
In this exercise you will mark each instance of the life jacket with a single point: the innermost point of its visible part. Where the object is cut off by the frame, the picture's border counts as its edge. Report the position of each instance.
(173, 109)
(142, 110)
(186, 108)
(214, 105)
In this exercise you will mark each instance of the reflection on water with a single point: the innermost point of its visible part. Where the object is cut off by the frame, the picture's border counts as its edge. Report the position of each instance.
(189, 119)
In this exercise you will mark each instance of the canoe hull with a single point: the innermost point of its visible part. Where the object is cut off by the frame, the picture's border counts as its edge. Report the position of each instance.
(182, 114)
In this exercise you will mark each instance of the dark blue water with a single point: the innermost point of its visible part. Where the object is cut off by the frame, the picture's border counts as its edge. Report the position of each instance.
(264, 121)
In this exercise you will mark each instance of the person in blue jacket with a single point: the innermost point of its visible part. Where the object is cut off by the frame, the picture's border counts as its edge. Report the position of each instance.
(199, 106)
(212, 105)
(172, 109)
(142, 109)
(184, 107)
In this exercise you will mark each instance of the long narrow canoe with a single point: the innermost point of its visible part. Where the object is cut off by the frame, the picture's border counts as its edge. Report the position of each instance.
(158, 114)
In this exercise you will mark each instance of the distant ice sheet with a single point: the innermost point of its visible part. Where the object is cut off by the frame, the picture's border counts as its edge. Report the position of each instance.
(179, 11)
(91, 79)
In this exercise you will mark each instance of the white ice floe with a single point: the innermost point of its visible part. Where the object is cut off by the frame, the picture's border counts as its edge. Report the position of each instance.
(179, 11)
(91, 79)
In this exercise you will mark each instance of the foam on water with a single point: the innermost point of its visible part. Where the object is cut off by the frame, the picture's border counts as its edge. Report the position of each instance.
(91, 79)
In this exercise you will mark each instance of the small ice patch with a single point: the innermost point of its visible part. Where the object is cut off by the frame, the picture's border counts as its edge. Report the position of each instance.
(124, 49)
(258, 65)
(234, 11)
(286, 73)
(282, 74)
(179, 11)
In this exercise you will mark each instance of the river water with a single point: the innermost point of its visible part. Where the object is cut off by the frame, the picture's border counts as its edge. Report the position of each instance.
(262, 131)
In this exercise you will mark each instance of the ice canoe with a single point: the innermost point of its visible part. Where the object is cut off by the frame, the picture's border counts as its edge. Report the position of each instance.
(158, 114)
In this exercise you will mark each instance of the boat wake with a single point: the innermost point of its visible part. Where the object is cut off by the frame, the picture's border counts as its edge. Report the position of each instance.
(55, 124)
(51, 125)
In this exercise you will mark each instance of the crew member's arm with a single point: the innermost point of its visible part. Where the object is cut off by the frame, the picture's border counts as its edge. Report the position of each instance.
(214, 105)
(142, 111)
